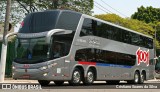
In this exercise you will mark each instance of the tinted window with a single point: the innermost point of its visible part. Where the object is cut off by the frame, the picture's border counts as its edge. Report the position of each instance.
(102, 56)
(39, 22)
(142, 41)
(63, 42)
(48, 20)
(134, 39)
(126, 37)
(68, 21)
(88, 27)
(31, 51)
(125, 59)
(149, 43)
(96, 28)
(100, 29)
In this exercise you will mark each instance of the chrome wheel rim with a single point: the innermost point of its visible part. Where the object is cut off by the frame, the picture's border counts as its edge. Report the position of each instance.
(76, 77)
(142, 78)
(90, 77)
(136, 78)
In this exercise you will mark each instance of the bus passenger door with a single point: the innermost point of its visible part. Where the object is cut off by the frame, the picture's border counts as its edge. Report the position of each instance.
(57, 54)
(67, 61)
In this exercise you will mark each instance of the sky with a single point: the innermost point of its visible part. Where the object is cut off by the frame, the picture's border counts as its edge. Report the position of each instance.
(125, 8)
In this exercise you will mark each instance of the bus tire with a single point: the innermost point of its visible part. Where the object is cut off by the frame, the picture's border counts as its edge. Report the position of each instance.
(142, 78)
(136, 79)
(58, 83)
(76, 77)
(89, 79)
(43, 82)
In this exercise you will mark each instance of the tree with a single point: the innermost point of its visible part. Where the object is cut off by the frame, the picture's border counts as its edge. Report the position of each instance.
(111, 18)
(148, 14)
(17, 12)
(151, 16)
(20, 8)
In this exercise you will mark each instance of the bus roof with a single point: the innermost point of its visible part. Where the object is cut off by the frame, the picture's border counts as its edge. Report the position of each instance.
(87, 16)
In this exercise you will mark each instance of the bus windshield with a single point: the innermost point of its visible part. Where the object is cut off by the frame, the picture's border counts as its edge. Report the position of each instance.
(31, 50)
(48, 20)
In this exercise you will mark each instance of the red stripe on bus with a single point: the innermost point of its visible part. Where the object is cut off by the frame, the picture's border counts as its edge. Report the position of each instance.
(86, 63)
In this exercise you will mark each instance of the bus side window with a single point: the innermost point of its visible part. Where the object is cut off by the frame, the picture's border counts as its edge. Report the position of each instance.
(86, 28)
(58, 49)
(80, 55)
(89, 27)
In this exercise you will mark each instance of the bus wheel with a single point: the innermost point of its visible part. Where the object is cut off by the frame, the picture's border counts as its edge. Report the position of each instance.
(43, 82)
(76, 77)
(58, 82)
(142, 78)
(89, 77)
(136, 79)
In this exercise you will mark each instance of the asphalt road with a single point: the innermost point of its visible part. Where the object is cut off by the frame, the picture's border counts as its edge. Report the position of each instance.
(99, 85)
(96, 85)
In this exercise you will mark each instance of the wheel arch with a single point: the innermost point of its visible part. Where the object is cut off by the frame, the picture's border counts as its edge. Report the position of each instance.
(80, 67)
(136, 70)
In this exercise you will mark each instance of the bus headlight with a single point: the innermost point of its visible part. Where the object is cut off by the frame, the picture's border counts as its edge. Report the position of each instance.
(52, 65)
(48, 66)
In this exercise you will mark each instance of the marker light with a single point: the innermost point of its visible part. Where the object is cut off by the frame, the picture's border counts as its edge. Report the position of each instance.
(43, 68)
(45, 74)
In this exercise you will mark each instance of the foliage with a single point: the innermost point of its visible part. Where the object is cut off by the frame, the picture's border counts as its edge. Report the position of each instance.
(151, 16)
(110, 18)
(35, 5)
(148, 14)
(20, 8)
(16, 14)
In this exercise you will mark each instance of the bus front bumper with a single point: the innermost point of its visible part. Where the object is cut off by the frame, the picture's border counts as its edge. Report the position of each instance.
(33, 74)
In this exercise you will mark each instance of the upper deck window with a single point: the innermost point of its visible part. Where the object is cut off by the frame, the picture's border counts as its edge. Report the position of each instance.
(68, 21)
(93, 27)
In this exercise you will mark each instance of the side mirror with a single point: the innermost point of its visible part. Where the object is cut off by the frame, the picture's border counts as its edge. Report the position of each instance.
(56, 32)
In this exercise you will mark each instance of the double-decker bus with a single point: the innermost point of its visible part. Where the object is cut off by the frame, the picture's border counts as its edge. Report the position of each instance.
(63, 45)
